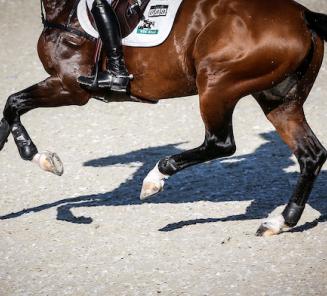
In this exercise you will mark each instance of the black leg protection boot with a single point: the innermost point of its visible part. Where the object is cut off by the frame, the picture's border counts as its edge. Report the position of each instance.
(116, 78)
(4, 132)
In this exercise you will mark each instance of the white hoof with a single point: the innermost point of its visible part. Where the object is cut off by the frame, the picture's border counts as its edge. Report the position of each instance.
(149, 189)
(272, 226)
(153, 183)
(49, 162)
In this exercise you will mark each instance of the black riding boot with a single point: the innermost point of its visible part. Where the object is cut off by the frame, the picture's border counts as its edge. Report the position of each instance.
(116, 78)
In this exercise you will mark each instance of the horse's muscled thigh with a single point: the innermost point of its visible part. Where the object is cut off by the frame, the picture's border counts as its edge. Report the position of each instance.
(251, 49)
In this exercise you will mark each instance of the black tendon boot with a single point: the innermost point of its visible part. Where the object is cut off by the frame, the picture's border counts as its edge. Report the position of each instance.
(116, 77)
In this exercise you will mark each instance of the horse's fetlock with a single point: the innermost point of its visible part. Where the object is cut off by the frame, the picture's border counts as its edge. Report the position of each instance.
(26, 147)
(292, 214)
(167, 166)
(230, 150)
(27, 152)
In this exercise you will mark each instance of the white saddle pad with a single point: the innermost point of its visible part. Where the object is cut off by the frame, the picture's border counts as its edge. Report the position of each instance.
(154, 30)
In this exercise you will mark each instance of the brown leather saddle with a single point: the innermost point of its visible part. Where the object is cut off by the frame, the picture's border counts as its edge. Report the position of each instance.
(129, 13)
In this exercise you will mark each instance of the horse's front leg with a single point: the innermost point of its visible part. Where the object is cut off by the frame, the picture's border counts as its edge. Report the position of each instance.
(48, 93)
(217, 107)
(215, 145)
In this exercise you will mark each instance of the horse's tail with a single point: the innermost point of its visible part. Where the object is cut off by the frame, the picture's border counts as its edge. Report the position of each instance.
(317, 22)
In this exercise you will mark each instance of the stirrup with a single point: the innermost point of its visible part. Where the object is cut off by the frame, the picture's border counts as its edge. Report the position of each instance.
(106, 80)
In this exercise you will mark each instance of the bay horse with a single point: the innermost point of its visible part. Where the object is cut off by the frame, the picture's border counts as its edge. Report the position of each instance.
(222, 50)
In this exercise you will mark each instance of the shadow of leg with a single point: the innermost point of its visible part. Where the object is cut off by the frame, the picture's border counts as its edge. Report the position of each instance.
(308, 225)
(64, 213)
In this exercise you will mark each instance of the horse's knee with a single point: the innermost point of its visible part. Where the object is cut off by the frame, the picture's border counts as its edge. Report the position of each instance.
(13, 105)
(9, 111)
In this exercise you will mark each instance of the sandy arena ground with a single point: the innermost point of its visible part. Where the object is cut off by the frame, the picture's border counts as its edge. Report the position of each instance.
(87, 233)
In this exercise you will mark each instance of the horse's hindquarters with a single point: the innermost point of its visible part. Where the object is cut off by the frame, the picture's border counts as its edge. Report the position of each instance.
(249, 47)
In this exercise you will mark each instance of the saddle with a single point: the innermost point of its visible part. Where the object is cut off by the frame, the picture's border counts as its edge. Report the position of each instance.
(129, 13)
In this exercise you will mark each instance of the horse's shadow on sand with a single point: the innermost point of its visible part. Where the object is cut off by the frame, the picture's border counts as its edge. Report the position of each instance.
(260, 177)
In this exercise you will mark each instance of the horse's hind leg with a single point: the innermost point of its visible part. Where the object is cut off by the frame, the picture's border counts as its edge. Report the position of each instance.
(217, 106)
(48, 93)
(291, 125)
(286, 114)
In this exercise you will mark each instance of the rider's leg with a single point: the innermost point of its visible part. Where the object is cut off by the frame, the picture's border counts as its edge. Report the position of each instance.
(116, 77)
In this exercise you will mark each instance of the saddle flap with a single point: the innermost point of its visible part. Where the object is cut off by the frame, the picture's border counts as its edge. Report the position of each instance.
(129, 13)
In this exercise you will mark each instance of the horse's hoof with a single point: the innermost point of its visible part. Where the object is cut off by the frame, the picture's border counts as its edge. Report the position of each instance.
(271, 226)
(150, 188)
(266, 232)
(49, 162)
(153, 183)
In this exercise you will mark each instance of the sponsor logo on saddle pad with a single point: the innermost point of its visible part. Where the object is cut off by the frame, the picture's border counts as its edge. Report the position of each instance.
(147, 31)
(158, 10)
(146, 27)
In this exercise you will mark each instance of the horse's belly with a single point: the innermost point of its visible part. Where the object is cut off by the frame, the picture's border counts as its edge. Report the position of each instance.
(161, 72)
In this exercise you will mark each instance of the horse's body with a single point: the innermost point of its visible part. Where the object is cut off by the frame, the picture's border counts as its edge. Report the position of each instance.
(221, 49)
(226, 32)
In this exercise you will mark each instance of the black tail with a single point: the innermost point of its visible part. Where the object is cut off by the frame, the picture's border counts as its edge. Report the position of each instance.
(317, 22)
